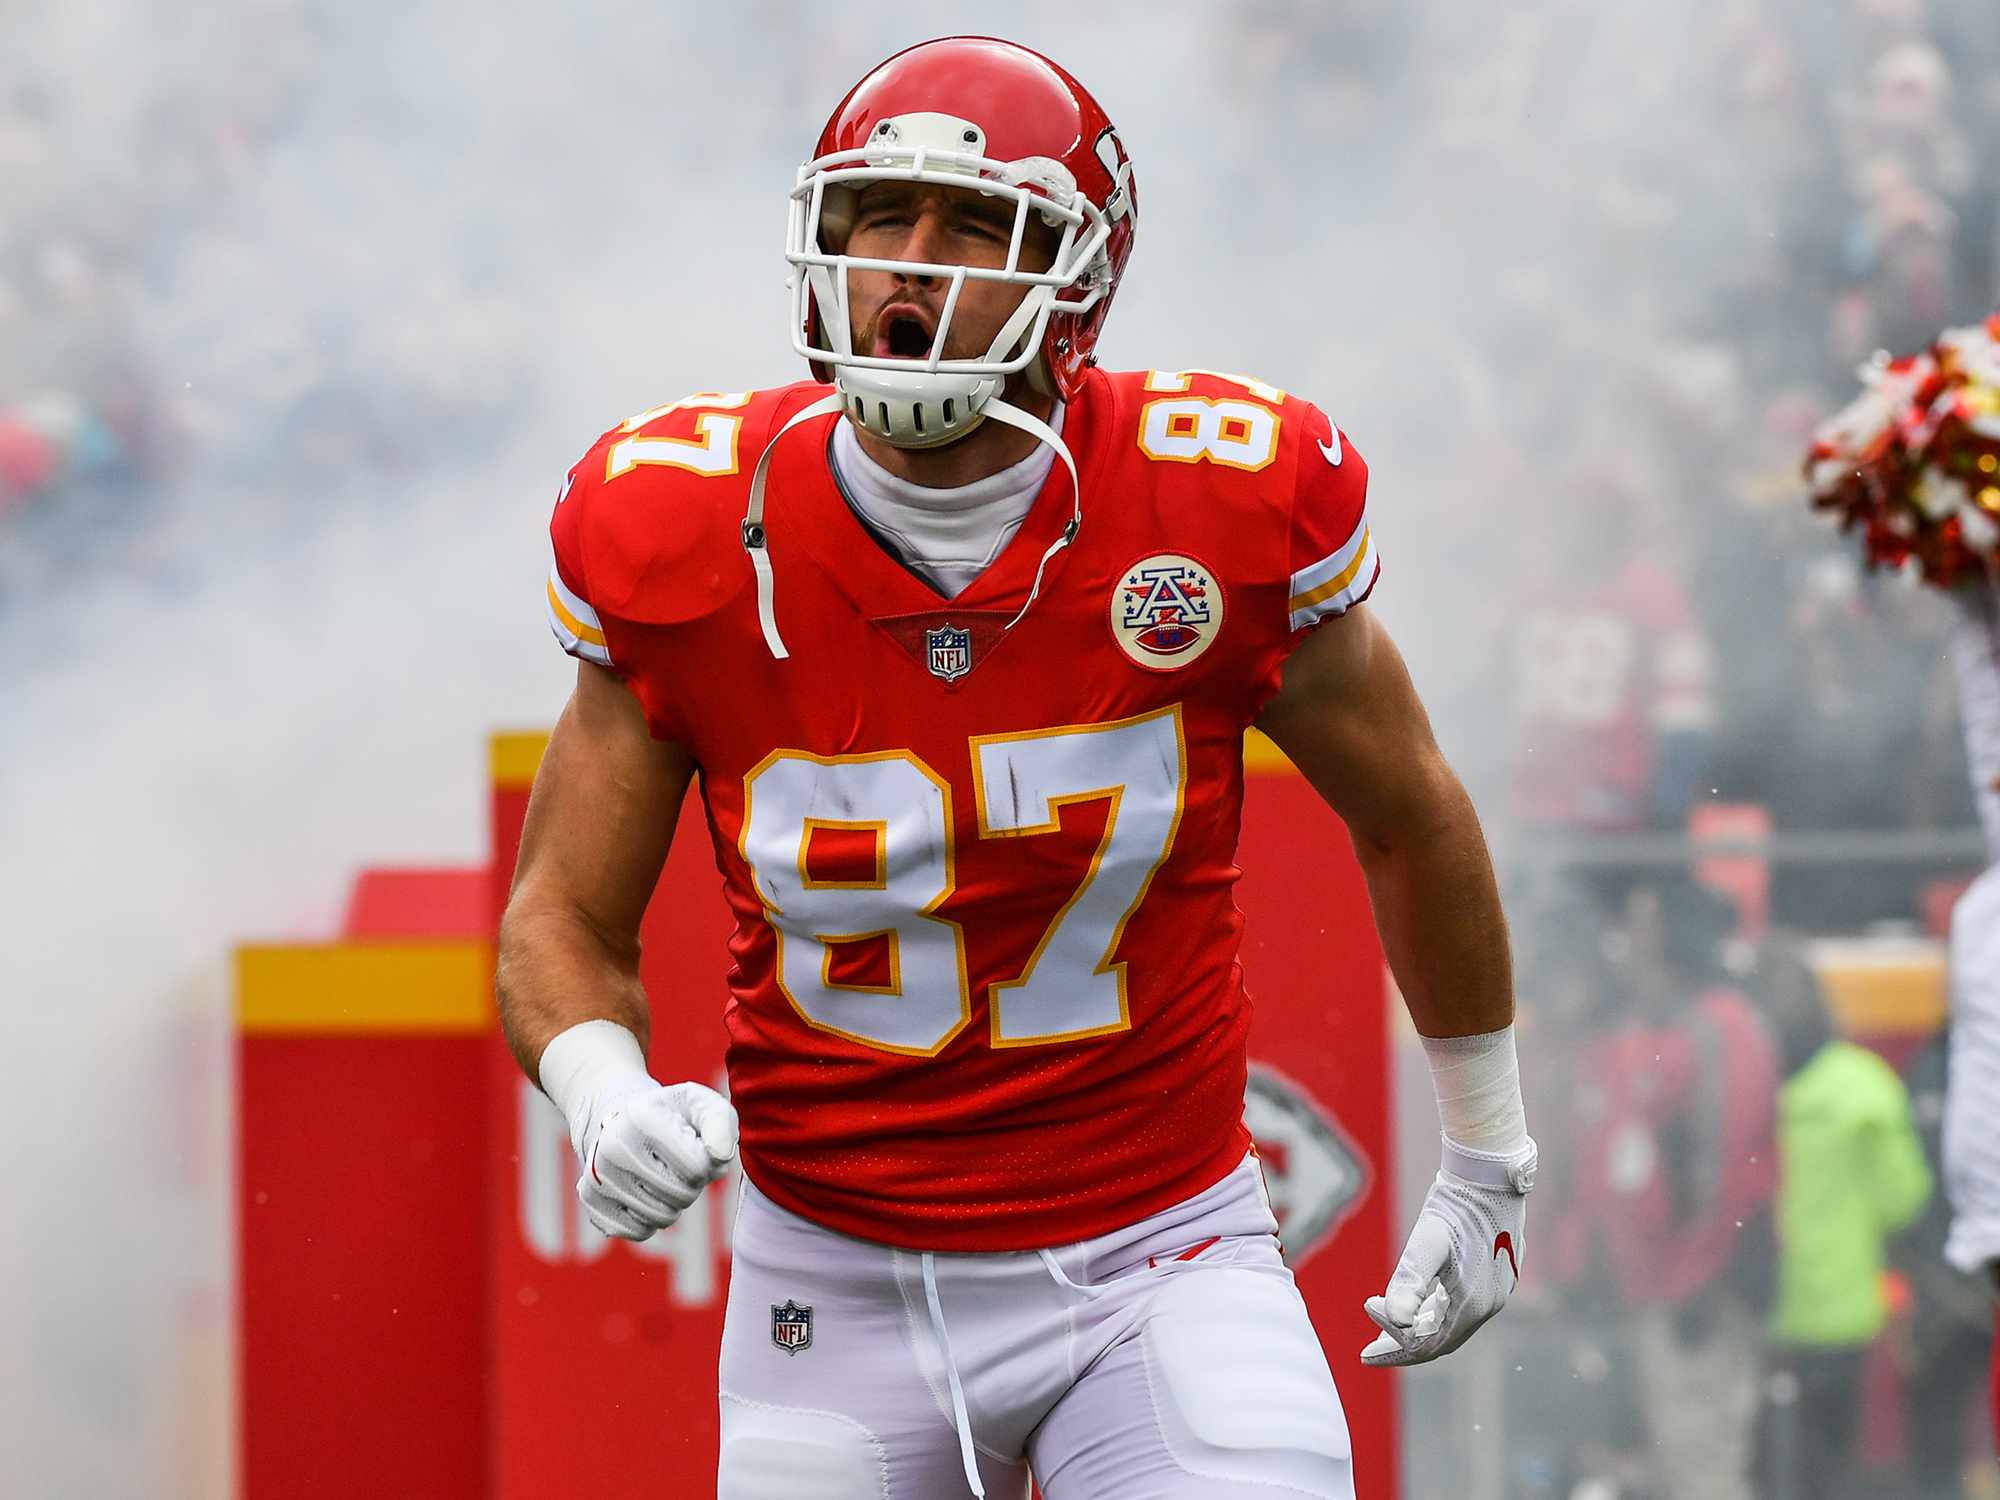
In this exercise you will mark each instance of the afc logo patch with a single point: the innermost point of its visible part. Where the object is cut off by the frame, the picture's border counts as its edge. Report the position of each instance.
(948, 652)
(1166, 610)
(791, 1326)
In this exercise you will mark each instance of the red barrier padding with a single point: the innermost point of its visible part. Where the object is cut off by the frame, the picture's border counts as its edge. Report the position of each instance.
(420, 903)
(361, 1280)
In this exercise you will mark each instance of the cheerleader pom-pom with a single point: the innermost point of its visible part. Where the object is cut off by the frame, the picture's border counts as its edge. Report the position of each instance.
(1913, 464)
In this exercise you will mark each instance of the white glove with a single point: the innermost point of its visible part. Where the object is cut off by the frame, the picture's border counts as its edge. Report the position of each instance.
(652, 1156)
(1462, 1261)
(648, 1149)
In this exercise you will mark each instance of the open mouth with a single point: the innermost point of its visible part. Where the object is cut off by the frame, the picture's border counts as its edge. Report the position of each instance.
(903, 336)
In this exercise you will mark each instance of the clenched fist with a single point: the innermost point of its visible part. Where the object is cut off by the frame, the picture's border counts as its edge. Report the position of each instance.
(648, 1149)
(653, 1154)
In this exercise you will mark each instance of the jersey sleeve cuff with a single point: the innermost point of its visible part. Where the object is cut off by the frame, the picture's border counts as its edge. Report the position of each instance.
(1336, 583)
(575, 623)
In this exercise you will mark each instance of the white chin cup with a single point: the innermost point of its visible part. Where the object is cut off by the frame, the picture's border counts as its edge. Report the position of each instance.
(915, 408)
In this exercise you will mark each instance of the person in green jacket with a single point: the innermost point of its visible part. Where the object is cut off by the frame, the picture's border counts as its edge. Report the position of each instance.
(1851, 1173)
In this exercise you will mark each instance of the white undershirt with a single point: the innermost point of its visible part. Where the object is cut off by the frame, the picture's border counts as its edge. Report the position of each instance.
(947, 537)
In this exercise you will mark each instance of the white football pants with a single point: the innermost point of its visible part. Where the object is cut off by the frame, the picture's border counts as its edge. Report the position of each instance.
(1169, 1360)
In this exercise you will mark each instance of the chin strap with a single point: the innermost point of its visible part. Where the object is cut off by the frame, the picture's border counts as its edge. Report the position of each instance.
(1013, 416)
(756, 538)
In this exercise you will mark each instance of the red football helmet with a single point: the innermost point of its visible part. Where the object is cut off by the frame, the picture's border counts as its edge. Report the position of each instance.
(957, 112)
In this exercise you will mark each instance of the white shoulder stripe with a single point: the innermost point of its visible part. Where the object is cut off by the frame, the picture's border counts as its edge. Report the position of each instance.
(1335, 584)
(580, 649)
(574, 602)
(1333, 564)
(574, 622)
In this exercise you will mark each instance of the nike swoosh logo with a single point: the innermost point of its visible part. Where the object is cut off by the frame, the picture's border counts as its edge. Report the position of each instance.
(1505, 1241)
(1332, 450)
(567, 483)
(1153, 1261)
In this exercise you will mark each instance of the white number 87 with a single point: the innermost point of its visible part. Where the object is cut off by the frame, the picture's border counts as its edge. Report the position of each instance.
(1070, 986)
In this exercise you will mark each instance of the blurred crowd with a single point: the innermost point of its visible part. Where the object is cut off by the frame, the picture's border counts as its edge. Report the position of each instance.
(202, 289)
(1661, 241)
(1739, 1287)
(79, 412)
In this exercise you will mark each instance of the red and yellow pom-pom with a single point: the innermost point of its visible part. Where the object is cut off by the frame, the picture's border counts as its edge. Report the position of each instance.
(1914, 463)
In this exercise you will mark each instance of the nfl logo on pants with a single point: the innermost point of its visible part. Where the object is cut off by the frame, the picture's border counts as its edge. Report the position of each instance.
(791, 1327)
(949, 652)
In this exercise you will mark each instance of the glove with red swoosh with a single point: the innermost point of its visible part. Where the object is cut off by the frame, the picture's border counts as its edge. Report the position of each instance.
(1462, 1261)
(653, 1153)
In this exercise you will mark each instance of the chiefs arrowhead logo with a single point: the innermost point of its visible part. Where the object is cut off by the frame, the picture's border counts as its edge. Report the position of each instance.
(1316, 1176)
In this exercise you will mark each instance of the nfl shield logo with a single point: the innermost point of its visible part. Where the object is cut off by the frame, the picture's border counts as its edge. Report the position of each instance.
(949, 652)
(791, 1327)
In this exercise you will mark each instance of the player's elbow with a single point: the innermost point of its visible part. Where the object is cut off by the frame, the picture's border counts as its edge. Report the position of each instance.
(543, 921)
(1426, 805)
(515, 949)
(547, 944)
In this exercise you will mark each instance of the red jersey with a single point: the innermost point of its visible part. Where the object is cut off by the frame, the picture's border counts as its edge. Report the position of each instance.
(985, 991)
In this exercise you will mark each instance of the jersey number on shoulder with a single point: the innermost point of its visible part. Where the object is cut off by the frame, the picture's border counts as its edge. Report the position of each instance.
(894, 816)
(1197, 429)
(712, 450)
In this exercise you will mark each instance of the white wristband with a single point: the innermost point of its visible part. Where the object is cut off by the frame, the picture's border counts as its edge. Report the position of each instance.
(584, 1068)
(1478, 1083)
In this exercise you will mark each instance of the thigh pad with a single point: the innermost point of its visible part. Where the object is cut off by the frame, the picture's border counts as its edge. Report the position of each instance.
(771, 1451)
(1237, 1368)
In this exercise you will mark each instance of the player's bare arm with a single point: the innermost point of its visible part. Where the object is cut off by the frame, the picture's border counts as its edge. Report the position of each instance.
(597, 831)
(1350, 719)
(598, 827)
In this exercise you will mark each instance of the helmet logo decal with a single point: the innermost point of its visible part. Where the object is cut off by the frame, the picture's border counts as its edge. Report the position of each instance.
(1166, 610)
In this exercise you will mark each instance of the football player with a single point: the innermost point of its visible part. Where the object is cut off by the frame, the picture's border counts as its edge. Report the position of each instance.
(962, 637)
